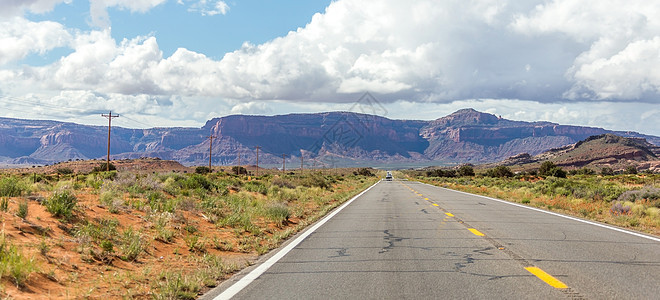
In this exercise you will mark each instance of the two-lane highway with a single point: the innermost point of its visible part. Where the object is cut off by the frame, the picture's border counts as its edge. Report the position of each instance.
(410, 240)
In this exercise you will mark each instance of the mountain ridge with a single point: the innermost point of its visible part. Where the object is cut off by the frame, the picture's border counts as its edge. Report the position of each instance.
(331, 138)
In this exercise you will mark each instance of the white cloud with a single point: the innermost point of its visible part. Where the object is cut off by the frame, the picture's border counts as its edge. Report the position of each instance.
(99, 9)
(251, 108)
(20, 37)
(621, 61)
(207, 7)
(11, 8)
(424, 52)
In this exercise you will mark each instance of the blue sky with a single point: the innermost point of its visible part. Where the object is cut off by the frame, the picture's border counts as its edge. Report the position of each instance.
(182, 62)
(214, 35)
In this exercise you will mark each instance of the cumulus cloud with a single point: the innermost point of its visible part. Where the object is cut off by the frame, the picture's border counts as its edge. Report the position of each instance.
(20, 37)
(421, 51)
(425, 51)
(10, 8)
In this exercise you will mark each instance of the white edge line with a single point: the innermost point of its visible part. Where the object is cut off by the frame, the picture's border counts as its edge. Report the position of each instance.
(254, 274)
(553, 213)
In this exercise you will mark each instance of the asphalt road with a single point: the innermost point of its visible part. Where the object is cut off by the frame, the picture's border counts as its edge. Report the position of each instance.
(410, 240)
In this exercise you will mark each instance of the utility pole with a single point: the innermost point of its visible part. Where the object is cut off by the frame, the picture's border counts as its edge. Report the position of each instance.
(284, 163)
(211, 137)
(239, 164)
(301, 163)
(109, 116)
(257, 172)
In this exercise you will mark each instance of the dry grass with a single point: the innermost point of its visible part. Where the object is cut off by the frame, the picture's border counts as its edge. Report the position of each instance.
(124, 230)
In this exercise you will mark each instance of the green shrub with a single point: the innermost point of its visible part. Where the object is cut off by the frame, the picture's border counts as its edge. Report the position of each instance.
(22, 211)
(630, 170)
(256, 187)
(583, 171)
(132, 244)
(104, 167)
(278, 213)
(465, 170)
(238, 170)
(499, 171)
(202, 170)
(64, 171)
(364, 172)
(111, 200)
(14, 264)
(606, 171)
(61, 204)
(441, 173)
(315, 180)
(4, 204)
(544, 169)
(12, 187)
(173, 285)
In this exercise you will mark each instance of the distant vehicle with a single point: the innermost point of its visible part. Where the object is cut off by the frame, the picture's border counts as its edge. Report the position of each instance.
(388, 177)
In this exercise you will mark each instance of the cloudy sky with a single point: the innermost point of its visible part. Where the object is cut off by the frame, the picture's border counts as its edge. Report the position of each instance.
(182, 62)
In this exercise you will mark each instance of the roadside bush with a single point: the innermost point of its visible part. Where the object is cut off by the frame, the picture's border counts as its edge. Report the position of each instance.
(12, 187)
(14, 264)
(548, 168)
(278, 213)
(238, 170)
(499, 171)
(4, 204)
(441, 173)
(195, 181)
(61, 204)
(104, 167)
(465, 171)
(649, 193)
(315, 180)
(256, 187)
(202, 170)
(281, 182)
(22, 211)
(64, 171)
(364, 172)
(132, 244)
(583, 171)
(606, 171)
(630, 170)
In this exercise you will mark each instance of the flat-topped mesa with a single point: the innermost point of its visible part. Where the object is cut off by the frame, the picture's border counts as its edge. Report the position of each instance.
(464, 136)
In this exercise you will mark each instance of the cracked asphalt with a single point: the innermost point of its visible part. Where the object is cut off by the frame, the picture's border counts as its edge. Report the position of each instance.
(407, 240)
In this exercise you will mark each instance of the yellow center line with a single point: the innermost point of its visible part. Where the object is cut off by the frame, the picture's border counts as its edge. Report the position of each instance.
(435, 204)
(476, 232)
(449, 214)
(426, 198)
(553, 282)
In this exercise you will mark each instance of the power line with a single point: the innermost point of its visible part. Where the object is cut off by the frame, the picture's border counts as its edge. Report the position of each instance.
(14, 101)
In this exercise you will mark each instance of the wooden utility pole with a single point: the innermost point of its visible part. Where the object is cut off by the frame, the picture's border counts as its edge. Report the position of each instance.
(283, 162)
(239, 164)
(301, 164)
(211, 137)
(109, 116)
(257, 172)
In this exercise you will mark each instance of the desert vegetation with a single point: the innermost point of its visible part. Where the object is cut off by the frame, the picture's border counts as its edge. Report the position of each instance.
(152, 235)
(628, 199)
